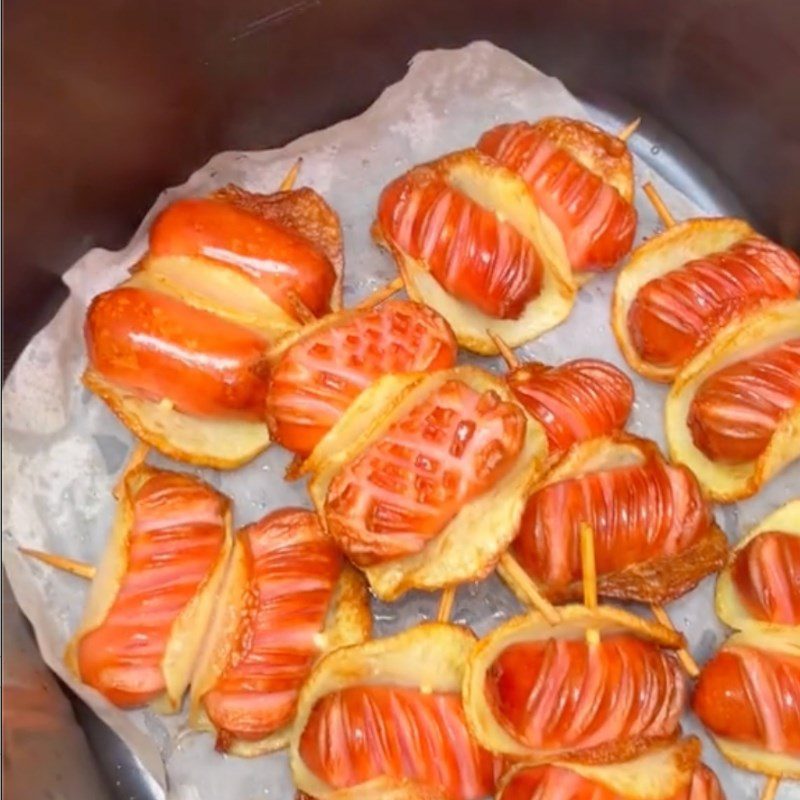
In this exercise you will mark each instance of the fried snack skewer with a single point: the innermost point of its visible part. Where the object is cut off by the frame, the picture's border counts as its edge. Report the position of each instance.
(74, 567)
(659, 612)
(659, 205)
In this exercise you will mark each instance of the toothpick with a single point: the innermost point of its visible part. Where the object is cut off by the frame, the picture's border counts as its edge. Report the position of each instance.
(379, 295)
(659, 205)
(629, 129)
(446, 604)
(136, 458)
(507, 354)
(770, 788)
(686, 658)
(511, 572)
(287, 184)
(303, 312)
(589, 570)
(78, 568)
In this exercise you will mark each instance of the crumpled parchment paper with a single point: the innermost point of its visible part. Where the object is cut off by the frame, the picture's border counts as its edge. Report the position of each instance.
(63, 448)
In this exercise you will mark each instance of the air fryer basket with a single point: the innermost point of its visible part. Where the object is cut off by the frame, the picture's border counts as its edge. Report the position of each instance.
(109, 102)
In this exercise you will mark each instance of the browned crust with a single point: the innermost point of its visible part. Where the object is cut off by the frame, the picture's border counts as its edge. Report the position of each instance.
(613, 752)
(658, 580)
(600, 152)
(302, 211)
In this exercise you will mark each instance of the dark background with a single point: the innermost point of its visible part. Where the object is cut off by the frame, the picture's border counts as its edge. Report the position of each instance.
(107, 102)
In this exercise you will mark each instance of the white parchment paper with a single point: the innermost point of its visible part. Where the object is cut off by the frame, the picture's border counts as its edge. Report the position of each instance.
(63, 448)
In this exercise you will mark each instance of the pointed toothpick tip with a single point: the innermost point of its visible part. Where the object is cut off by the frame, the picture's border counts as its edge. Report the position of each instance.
(287, 184)
(629, 129)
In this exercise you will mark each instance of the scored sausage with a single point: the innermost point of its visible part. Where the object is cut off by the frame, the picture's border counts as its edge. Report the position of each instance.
(316, 378)
(737, 409)
(674, 315)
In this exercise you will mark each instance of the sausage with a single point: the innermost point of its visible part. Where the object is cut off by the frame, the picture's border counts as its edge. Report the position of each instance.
(275, 258)
(160, 348)
(597, 223)
(362, 732)
(674, 315)
(560, 783)
(176, 539)
(292, 569)
(637, 512)
(317, 378)
(766, 575)
(476, 256)
(751, 696)
(402, 489)
(737, 409)
(575, 401)
(565, 693)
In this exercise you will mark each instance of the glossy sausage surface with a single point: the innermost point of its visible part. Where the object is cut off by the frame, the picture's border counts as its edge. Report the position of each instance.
(364, 732)
(473, 254)
(597, 223)
(766, 575)
(736, 410)
(637, 513)
(566, 694)
(174, 543)
(315, 380)
(160, 348)
(292, 571)
(277, 260)
(402, 489)
(575, 401)
(751, 696)
(674, 315)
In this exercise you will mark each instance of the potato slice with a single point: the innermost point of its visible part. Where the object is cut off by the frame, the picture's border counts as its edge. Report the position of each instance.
(657, 774)
(737, 341)
(470, 545)
(666, 252)
(205, 442)
(429, 656)
(488, 184)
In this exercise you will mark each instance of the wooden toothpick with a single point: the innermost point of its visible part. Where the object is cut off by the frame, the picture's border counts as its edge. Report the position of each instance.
(287, 184)
(629, 129)
(659, 205)
(379, 295)
(685, 657)
(446, 604)
(63, 563)
(589, 571)
(770, 788)
(507, 354)
(511, 571)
